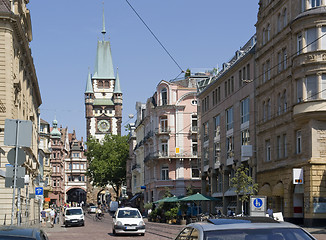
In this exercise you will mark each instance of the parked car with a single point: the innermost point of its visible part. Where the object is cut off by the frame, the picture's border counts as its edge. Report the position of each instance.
(114, 206)
(74, 216)
(14, 233)
(92, 209)
(262, 228)
(128, 220)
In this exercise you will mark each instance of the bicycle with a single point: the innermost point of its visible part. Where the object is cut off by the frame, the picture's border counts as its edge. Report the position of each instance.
(98, 218)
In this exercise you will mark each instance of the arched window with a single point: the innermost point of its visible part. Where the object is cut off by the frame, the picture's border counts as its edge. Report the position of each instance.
(164, 96)
(268, 37)
(285, 18)
(264, 36)
(279, 22)
(285, 101)
(264, 111)
(269, 113)
(279, 104)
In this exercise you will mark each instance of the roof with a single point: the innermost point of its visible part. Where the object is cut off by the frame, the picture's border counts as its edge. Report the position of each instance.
(117, 88)
(103, 101)
(5, 6)
(103, 64)
(89, 87)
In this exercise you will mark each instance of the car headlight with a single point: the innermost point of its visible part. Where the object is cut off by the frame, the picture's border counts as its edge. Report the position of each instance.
(141, 223)
(118, 223)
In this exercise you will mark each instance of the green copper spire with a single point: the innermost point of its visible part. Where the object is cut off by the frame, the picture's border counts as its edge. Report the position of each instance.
(55, 133)
(103, 64)
(89, 87)
(117, 88)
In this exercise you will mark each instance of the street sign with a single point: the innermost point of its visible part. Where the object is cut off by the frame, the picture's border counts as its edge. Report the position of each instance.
(10, 171)
(12, 155)
(257, 206)
(24, 133)
(9, 182)
(39, 191)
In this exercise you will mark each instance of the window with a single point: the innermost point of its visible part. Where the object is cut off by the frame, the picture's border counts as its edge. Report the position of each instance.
(229, 86)
(279, 148)
(194, 102)
(314, 3)
(194, 145)
(279, 60)
(75, 155)
(299, 43)
(248, 71)
(299, 91)
(323, 39)
(229, 118)
(164, 124)
(264, 112)
(217, 126)
(298, 142)
(245, 137)
(165, 172)
(285, 57)
(264, 35)
(279, 104)
(268, 150)
(269, 114)
(244, 111)
(164, 96)
(194, 169)
(264, 72)
(268, 32)
(311, 37)
(194, 123)
(229, 147)
(279, 22)
(206, 156)
(217, 151)
(219, 94)
(268, 68)
(164, 148)
(205, 131)
(311, 86)
(70, 166)
(323, 86)
(285, 102)
(54, 183)
(240, 78)
(46, 161)
(285, 18)
(41, 128)
(232, 84)
(285, 151)
(225, 89)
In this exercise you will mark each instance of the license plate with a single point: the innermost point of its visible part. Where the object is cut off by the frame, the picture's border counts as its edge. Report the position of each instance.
(74, 221)
(131, 228)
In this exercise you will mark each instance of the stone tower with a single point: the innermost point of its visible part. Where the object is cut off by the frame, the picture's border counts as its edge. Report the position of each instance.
(103, 96)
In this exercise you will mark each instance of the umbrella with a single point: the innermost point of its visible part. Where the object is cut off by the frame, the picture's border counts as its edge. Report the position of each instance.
(197, 198)
(162, 200)
(174, 199)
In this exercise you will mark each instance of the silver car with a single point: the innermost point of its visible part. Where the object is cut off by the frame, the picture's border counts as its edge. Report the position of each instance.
(243, 229)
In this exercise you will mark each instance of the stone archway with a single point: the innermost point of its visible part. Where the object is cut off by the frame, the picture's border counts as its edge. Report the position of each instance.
(76, 195)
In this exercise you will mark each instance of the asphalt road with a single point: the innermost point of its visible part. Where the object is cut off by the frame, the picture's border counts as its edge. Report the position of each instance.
(103, 230)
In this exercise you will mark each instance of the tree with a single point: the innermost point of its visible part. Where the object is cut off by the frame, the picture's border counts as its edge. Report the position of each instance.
(244, 184)
(107, 161)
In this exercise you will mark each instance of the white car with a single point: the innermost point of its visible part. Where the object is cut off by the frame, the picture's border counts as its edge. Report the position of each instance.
(92, 209)
(74, 216)
(128, 221)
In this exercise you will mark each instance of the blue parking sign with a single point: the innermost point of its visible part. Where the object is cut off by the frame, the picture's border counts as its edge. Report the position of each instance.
(39, 191)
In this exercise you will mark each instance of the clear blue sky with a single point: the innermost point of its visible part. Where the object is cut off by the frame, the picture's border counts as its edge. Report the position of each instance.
(197, 33)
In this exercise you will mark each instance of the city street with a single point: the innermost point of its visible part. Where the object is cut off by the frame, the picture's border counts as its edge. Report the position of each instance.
(103, 230)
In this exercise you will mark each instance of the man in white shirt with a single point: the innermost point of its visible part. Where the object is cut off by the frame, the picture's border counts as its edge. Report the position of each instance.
(52, 215)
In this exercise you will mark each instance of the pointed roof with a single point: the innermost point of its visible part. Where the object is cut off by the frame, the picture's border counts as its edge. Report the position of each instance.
(55, 133)
(117, 88)
(103, 64)
(89, 87)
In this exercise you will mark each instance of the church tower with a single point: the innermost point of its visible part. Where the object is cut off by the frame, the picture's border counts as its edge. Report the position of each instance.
(103, 95)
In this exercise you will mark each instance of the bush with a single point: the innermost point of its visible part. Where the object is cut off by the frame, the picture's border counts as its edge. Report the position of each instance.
(148, 206)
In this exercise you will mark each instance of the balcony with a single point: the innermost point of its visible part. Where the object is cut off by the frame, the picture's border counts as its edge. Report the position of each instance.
(161, 131)
(309, 107)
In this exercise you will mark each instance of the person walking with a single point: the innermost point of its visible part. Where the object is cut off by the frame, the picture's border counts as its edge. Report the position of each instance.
(52, 216)
(43, 218)
(270, 212)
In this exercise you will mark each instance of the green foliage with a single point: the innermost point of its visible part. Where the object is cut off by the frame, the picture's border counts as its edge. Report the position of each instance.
(243, 183)
(188, 73)
(167, 193)
(172, 213)
(189, 190)
(148, 206)
(107, 161)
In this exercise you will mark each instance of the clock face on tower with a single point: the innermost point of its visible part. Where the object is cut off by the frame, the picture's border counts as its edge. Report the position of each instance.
(103, 125)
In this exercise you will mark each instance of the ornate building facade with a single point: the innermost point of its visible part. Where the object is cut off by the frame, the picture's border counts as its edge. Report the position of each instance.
(19, 99)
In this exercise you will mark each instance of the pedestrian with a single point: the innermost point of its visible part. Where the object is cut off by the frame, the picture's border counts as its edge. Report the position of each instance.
(43, 217)
(52, 216)
(270, 212)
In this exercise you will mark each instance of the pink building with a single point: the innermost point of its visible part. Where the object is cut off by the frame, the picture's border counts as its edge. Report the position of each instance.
(165, 156)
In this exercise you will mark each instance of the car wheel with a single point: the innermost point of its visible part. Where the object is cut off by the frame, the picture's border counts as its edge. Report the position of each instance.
(66, 225)
(142, 234)
(114, 233)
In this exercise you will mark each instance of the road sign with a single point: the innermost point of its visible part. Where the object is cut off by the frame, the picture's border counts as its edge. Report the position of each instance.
(10, 171)
(12, 155)
(9, 182)
(257, 206)
(24, 133)
(39, 191)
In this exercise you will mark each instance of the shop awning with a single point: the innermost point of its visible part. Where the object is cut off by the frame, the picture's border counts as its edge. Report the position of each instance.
(278, 190)
(265, 190)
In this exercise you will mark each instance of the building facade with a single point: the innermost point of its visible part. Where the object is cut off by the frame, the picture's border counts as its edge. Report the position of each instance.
(290, 93)
(19, 99)
(227, 127)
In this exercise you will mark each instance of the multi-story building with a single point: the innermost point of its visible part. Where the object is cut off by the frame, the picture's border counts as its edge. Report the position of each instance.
(166, 136)
(75, 171)
(290, 96)
(227, 126)
(44, 158)
(103, 103)
(19, 99)
(60, 148)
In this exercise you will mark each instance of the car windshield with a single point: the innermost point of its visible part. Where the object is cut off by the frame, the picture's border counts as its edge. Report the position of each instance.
(258, 234)
(74, 212)
(128, 214)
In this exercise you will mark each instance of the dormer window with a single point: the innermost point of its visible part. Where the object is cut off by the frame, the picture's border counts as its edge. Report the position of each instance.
(164, 96)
